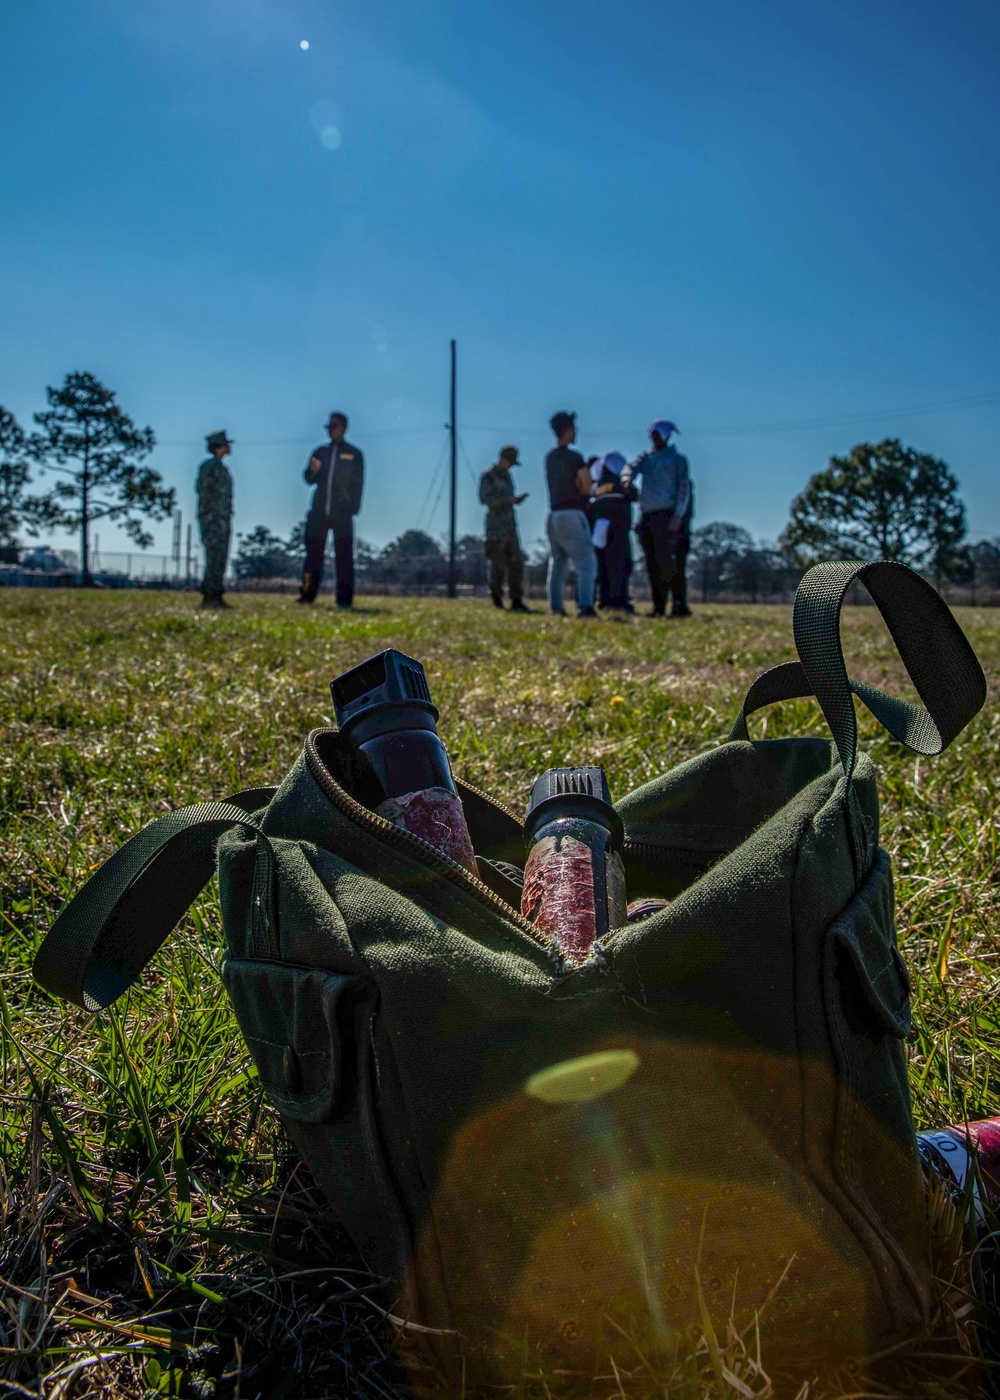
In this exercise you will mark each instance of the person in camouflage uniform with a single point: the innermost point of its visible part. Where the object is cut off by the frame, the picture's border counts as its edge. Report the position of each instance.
(503, 547)
(215, 517)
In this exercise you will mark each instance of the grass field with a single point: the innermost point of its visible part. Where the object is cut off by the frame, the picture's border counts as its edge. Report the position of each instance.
(158, 1235)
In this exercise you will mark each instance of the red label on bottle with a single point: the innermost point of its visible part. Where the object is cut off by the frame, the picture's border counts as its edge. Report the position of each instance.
(558, 894)
(436, 816)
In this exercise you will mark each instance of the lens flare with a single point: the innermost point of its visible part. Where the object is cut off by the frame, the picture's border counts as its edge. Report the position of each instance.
(303, 44)
(331, 138)
(584, 1079)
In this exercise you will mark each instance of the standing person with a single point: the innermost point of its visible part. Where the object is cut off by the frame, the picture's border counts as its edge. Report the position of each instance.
(665, 496)
(678, 583)
(337, 470)
(567, 526)
(214, 486)
(503, 547)
(612, 514)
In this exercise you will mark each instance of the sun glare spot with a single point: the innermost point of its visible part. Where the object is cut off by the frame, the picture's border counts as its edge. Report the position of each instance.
(330, 137)
(583, 1079)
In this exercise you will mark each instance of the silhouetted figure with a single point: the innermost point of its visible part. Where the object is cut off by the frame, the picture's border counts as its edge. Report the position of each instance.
(214, 486)
(503, 547)
(664, 501)
(678, 582)
(567, 525)
(337, 470)
(611, 512)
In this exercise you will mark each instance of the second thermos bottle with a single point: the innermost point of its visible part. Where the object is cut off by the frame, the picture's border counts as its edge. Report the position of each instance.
(574, 879)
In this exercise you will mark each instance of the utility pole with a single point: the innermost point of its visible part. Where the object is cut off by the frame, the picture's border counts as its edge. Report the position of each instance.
(187, 574)
(452, 588)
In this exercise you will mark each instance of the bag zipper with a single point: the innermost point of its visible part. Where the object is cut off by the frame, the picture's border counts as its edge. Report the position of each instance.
(685, 856)
(430, 855)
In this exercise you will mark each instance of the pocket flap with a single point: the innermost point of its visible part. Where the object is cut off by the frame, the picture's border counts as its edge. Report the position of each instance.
(865, 933)
(289, 1019)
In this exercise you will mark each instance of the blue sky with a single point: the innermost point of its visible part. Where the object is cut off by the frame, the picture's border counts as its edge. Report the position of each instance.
(774, 223)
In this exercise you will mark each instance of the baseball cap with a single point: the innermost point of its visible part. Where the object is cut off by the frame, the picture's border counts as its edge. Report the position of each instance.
(562, 420)
(663, 428)
(510, 453)
(219, 439)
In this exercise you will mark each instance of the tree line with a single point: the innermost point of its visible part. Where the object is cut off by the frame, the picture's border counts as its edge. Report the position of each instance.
(881, 501)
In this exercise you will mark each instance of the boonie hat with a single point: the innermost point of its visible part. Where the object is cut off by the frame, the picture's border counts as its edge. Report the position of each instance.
(663, 428)
(509, 454)
(219, 439)
(562, 420)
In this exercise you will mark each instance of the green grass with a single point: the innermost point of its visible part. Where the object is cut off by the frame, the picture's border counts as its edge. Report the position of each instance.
(158, 1233)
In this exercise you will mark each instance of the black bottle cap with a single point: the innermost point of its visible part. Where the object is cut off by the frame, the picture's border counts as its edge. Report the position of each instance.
(390, 678)
(572, 792)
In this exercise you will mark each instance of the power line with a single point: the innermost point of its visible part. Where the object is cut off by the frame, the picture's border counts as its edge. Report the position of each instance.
(947, 406)
(468, 465)
(433, 482)
(302, 442)
(981, 400)
(437, 499)
(832, 421)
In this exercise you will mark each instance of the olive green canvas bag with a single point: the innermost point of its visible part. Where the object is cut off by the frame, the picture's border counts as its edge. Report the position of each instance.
(566, 1164)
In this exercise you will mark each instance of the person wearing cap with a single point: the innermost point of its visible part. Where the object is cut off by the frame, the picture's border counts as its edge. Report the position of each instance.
(214, 486)
(337, 470)
(503, 547)
(611, 512)
(567, 526)
(665, 501)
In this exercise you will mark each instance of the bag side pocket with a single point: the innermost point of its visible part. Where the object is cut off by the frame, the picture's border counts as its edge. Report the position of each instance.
(310, 1033)
(289, 1019)
(867, 1000)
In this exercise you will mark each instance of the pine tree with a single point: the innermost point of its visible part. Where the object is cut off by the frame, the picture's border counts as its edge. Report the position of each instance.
(98, 449)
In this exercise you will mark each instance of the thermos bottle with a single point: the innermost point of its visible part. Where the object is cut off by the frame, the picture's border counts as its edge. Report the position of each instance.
(574, 879)
(966, 1158)
(384, 709)
(953, 1154)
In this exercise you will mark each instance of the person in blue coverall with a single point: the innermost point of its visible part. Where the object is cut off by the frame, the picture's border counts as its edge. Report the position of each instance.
(665, 502)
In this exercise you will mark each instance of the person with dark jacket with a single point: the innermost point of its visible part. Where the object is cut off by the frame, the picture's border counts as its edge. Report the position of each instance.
(337, 470)
(611, 513)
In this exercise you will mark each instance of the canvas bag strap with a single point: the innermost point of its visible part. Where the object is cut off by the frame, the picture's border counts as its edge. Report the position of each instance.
(934, 649)
(107, 933)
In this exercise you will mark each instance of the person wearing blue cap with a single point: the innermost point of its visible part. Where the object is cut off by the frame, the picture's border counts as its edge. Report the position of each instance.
(666, 503)
(611, 512)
